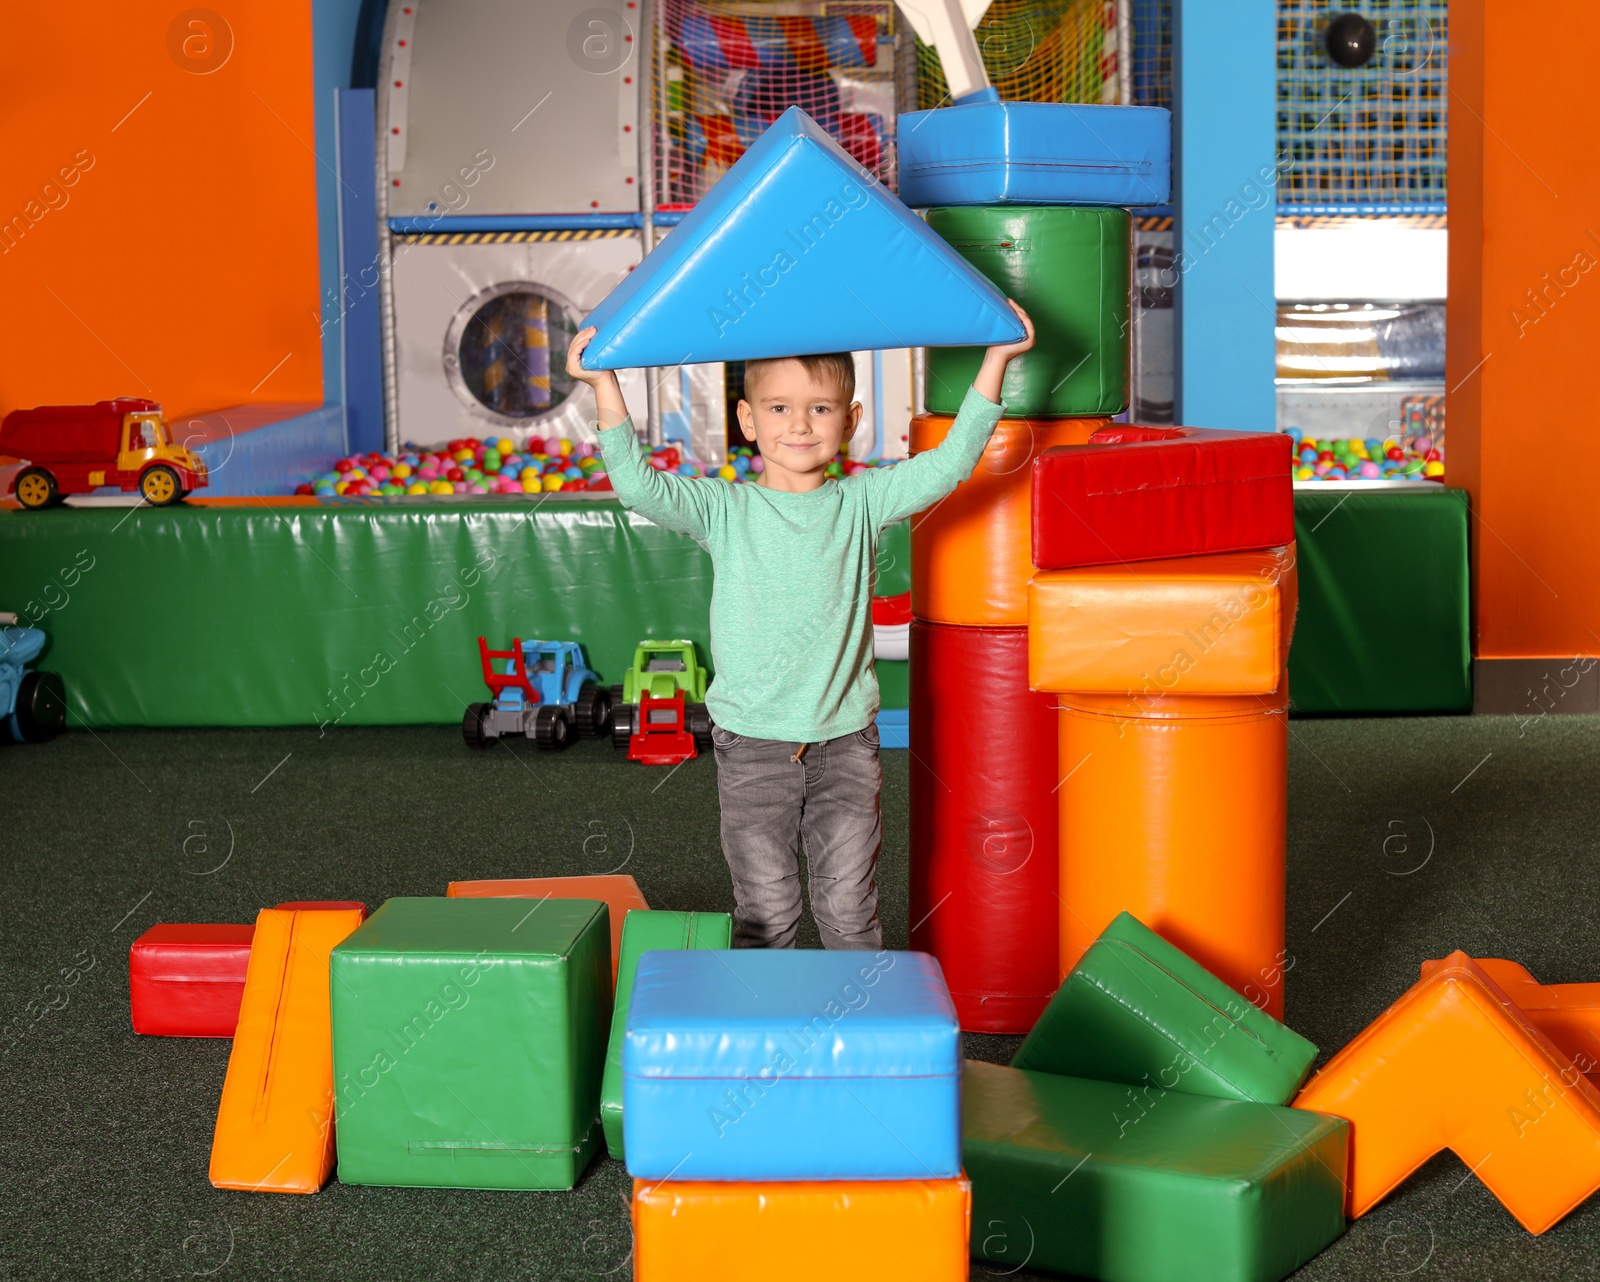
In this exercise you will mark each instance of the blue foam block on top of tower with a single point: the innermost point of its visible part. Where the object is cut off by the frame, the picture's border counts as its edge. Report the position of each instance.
(794, 251)
(1035, 153)
(791, 1065)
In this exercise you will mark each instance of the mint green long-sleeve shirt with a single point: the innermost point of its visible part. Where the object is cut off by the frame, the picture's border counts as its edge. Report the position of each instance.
(791, 612)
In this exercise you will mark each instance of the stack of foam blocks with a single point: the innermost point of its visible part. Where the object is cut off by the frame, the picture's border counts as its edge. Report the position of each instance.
(1159, 623)
(984, 774)
(794, 1115)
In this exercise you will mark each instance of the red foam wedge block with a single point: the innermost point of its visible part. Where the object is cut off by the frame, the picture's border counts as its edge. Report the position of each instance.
(1147, 493)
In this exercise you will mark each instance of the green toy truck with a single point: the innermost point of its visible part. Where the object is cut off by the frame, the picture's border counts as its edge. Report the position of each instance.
(661, 669)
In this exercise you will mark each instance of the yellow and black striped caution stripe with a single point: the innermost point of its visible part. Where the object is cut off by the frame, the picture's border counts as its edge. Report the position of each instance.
(514, 237)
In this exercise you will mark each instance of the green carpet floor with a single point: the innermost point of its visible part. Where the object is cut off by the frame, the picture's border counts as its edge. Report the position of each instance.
(1407, 838)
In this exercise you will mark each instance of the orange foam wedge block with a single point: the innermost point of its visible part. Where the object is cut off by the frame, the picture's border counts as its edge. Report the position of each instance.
(619, 893)
(1194, 625)
(275, 1122)
(1455, 1064)
(889, 1230)
(972, 553)
(1568, 1014)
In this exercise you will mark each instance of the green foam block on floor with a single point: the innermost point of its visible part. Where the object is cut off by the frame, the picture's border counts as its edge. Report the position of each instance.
(1107, 1181)
(645, 930)
(1138, 1010)
(469, 1037)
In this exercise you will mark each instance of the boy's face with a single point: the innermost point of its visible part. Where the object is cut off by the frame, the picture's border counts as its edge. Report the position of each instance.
(797, 424)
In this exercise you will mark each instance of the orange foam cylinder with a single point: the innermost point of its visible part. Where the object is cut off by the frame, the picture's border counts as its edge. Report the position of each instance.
(892, 1230)
(1197, 625)
(1176, 810)
(1456, 1064)
(275, 1122)
(972, 553)
(618, 892)
(1568, 1014)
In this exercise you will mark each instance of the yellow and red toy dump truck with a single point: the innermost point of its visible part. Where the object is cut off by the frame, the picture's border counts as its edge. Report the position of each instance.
(73, 449)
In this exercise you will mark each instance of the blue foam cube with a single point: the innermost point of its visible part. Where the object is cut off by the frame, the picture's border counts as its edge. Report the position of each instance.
(1035, 153)
(791, 1065)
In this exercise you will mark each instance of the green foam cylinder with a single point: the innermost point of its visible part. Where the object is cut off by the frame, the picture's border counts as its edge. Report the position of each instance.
(1102, 1180)
(1138, 1010)
(1069, 269)
(646, 930)
(469, 1038)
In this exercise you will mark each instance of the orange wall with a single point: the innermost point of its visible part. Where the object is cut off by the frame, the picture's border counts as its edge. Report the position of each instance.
(1525, 217)
(182, 262)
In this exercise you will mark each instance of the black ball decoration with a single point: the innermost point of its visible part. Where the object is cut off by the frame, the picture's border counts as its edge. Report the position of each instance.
(1352, 40)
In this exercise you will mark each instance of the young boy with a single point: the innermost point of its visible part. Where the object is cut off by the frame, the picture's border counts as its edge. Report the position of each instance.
(794, 699)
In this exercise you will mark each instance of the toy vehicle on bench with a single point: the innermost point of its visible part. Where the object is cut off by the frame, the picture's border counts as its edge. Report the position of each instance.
(73, 449)
(33, 705)
(543, 691)
(658, 712)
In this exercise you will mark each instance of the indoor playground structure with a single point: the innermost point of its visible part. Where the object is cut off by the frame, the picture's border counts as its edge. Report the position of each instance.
(1196, 966)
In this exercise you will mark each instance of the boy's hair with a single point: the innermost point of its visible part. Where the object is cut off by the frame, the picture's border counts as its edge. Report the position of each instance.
(838, 368)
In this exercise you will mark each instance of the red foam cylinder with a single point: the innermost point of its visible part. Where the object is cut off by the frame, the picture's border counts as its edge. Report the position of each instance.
(984, 823)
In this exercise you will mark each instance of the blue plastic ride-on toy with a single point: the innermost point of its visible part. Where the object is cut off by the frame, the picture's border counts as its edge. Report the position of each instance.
(33, 705)
(542, 691)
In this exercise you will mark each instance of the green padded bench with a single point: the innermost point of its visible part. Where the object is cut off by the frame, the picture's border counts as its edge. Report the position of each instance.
(1385, 600)
(1103, 1180)
(1138, 1010)
(469, 1037)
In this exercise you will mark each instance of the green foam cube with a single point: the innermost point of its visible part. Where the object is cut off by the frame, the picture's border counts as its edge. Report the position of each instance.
(644, 930)
(1124, 1184)
(1138, 1010)
(469, 1037)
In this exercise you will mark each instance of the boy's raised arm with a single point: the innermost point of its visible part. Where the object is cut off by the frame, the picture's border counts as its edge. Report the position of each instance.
(897, 492)
(672, 502)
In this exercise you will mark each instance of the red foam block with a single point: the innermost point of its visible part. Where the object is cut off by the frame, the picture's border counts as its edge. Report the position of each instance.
(1147, 493)
(188, 980)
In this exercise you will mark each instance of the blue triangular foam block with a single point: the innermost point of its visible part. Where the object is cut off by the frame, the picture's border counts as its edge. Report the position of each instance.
(795, 251)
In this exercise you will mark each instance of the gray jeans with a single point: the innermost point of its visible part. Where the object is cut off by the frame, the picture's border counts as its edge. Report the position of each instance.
(769, 803)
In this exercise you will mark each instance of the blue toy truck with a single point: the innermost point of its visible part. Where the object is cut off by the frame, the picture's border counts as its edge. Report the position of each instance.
(543, 691)
(33, 705)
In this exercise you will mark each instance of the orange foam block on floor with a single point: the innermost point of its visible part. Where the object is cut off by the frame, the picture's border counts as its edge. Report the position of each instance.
(619, 893)
(275, 1122)
(729, 1231)
(1568, 1014)
(1455, 1064)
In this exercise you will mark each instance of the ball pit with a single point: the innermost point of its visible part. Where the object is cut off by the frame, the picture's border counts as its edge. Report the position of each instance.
(1395, 458)
(538, 466)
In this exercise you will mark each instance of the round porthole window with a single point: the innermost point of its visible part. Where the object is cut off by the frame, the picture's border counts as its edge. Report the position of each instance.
(506, 352)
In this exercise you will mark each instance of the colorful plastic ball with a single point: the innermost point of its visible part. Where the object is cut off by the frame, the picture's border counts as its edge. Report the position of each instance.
(1304, 474)
(439, 487)
(741, 463)
(1432, 468)
(564, 447)
(531, 485)
(1293, 433)
(454, 475)
(530, 474)
(758, 464)
(554, 482)
(1369, 471)
(416, 487)
(728, 472)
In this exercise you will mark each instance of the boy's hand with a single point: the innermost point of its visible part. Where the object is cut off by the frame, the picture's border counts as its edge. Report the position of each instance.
(609, 405)
(993, 370)
(575, 369)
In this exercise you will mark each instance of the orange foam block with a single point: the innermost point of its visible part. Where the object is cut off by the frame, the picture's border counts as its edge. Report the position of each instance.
(1455, 1064)
(891, 1230)
(1568, 1014)
(275, 1122)
(619, 893)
